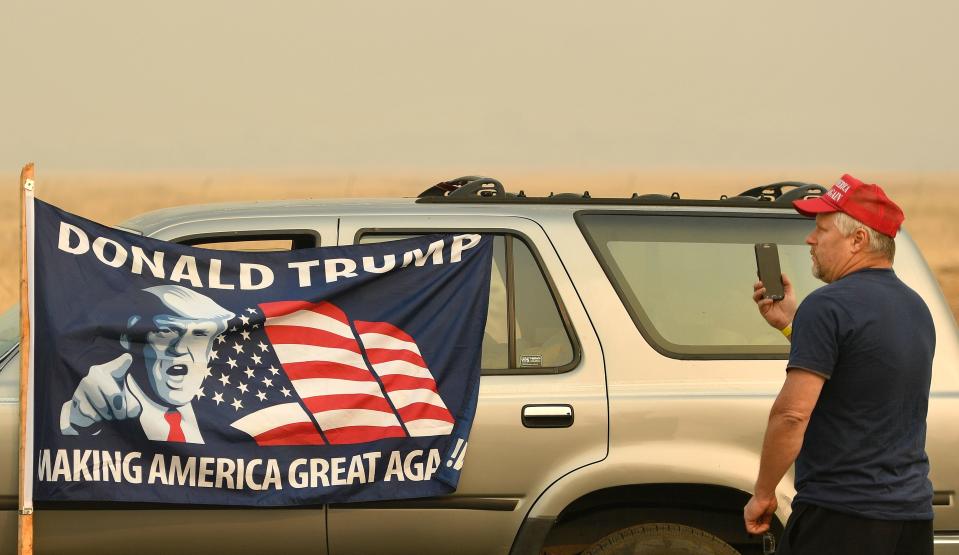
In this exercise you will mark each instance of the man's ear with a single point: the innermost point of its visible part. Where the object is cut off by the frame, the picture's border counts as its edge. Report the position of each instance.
(860, 240)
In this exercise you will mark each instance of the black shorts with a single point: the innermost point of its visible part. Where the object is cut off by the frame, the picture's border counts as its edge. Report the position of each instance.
(813, 530)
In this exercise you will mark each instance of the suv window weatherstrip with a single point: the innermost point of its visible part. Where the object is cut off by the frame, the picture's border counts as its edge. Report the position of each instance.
(652, 338)
(510, 303)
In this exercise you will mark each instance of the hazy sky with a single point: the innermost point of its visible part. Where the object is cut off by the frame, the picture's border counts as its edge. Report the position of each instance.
(312, 85)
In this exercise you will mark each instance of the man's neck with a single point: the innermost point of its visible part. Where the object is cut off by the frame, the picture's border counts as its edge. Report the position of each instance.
(865, 263)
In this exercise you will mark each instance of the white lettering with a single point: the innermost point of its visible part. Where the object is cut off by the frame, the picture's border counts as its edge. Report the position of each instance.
(215, 283)
(246, 276)
(119, 253)
(272, 477)
(61, 466)
(158, 470)
(394, 468)
(462, 243)
(303, 271)
(43, 466)
(206, 472)
(348, 271)
(80, 461)
(185, 268)
(112, 465)
(318, 470)
(435, 250)
(140, 258)
(337, 464)
(295, 477)
(66, 232)
(183, 473)
(413, 468)
(224, 473)
(369, 265)
(132, 472)
(371, 459)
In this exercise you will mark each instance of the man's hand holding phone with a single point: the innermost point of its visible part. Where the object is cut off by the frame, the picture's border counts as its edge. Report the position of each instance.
(779, 314)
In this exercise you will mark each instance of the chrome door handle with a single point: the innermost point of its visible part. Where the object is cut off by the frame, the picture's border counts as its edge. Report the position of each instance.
(548, 416)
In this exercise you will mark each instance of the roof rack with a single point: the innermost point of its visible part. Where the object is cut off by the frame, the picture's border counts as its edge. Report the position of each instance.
(473, 189)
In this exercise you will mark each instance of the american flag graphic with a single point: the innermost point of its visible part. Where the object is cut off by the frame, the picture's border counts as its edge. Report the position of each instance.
(301, 373)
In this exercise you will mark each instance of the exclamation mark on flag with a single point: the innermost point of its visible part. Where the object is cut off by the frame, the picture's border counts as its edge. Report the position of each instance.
(457, 461)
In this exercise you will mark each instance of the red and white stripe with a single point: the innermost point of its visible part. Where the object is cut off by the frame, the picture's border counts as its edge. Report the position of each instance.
(408, 382)
(322, 359)
(284, 424)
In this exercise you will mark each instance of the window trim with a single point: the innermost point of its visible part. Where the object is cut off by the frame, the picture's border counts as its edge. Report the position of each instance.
(551, 285)
(294, 235)
(641, 321)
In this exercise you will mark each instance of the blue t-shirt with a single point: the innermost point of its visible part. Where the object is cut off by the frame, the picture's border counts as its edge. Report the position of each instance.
(864, 452)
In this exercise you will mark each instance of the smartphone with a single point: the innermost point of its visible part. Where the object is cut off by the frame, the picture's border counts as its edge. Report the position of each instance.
(767, 266)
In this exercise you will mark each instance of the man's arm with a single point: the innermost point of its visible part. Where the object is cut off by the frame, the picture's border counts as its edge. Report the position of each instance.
(784, 436)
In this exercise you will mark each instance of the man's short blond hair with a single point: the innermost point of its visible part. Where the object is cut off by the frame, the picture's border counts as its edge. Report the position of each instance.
(882, 244)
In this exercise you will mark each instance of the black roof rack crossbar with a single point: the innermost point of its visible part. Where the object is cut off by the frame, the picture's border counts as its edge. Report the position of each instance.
(466, 186)
(784, 192)
(474, 188)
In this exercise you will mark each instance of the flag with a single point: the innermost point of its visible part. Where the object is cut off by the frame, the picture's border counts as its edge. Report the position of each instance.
(185, 375)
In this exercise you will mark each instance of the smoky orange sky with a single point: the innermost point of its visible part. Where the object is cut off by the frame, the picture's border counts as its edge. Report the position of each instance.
(308, 85)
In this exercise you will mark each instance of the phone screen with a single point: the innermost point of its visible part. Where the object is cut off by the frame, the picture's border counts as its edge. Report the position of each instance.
(767, 265)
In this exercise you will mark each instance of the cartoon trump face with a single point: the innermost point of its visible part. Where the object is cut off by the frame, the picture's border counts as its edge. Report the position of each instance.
(179, 343)
(176, 330)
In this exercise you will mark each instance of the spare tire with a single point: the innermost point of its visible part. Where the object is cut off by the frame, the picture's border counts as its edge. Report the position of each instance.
(660, 539)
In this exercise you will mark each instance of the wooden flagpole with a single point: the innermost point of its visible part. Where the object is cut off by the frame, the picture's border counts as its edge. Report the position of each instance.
(25, 520)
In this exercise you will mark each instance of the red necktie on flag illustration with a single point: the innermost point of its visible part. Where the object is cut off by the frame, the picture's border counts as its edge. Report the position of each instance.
(348, 386)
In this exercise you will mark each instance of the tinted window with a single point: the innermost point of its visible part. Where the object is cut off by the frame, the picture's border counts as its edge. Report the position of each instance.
(254, 243)
(687, 280)
(9, 331)
(524, 328)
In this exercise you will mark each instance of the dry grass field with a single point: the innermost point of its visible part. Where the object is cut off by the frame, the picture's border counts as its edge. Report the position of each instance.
(931, 202)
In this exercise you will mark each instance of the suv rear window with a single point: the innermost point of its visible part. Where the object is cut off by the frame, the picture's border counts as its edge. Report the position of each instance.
(687, 280)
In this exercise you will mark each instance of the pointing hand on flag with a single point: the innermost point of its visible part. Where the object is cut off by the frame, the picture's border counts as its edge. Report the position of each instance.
(102, 395)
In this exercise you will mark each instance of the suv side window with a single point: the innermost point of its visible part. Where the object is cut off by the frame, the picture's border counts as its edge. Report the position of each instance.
(261, 242)
(525, 329)
(686, 280)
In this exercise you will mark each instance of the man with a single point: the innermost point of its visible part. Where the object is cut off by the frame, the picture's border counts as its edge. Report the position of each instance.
(852, 410)
(177, 343)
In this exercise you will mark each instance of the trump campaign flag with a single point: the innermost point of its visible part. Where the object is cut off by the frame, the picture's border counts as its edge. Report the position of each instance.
(166, 373)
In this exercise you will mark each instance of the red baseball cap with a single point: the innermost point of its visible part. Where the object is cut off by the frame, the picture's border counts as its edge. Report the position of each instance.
(865, 202)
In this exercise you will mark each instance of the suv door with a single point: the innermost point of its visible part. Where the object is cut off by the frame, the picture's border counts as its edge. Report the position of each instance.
(521, 440)
(142, 528)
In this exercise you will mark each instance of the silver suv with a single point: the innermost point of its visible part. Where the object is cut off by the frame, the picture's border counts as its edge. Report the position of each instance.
(627, 380)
